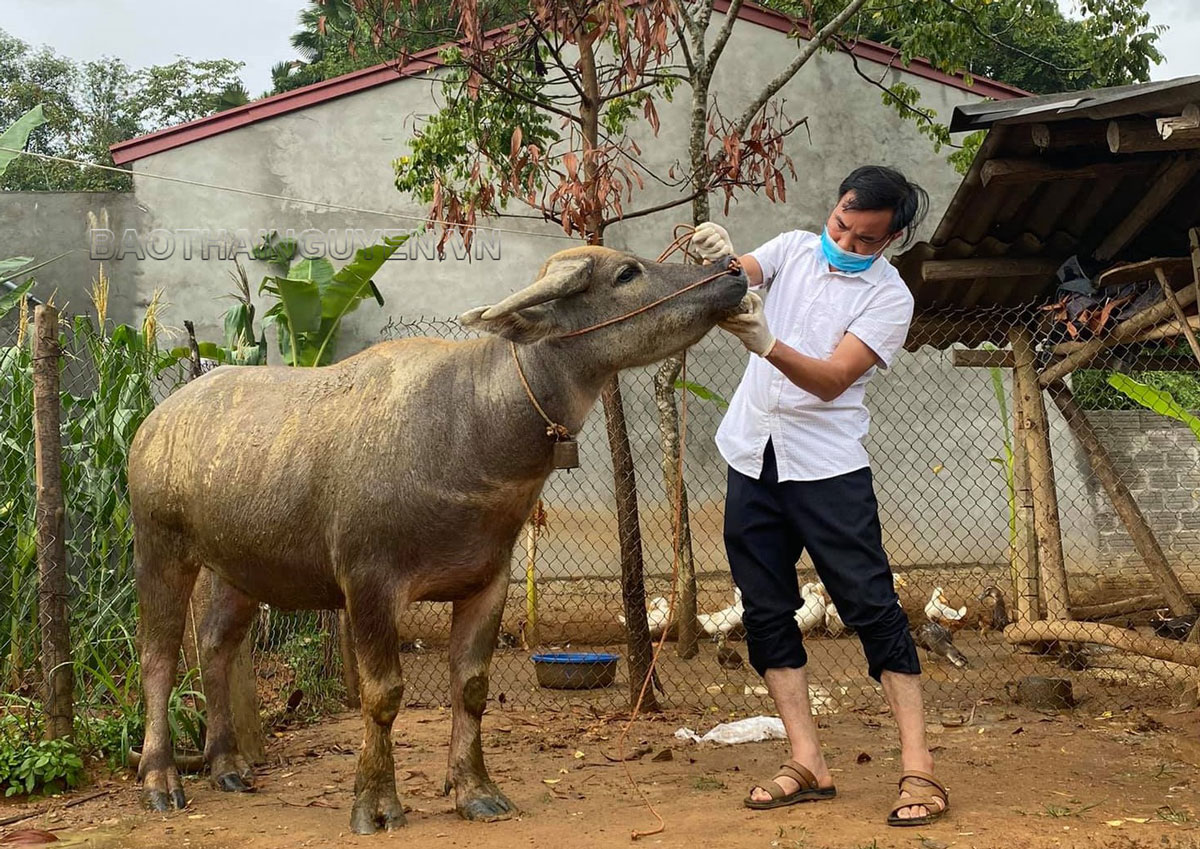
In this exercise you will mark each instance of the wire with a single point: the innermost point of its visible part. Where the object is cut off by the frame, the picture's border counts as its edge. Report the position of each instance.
(287, 198)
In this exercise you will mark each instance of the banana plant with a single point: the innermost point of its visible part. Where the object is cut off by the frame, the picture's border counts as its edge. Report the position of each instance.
(1156, 400)
(313, 299)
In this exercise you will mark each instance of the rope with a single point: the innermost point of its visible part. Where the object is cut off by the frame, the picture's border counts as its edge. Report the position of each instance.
(286, 198)
(555, 431)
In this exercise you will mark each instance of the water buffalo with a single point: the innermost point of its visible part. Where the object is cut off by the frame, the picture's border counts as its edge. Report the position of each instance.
(401, 474)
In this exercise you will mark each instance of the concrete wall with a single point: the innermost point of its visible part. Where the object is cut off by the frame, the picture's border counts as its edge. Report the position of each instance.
(44, 224)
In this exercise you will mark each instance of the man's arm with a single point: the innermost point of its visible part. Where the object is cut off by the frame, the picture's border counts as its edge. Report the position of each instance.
(827, 379)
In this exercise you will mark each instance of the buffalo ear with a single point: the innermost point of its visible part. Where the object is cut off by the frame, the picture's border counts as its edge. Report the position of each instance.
(522, 327)
(559, 278)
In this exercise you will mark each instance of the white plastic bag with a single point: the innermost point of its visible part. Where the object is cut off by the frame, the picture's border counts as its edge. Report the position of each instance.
(750, 730)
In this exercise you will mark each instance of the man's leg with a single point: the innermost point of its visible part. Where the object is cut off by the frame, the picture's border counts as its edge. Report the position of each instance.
(789, 690)
(763, 551)
(838, 520)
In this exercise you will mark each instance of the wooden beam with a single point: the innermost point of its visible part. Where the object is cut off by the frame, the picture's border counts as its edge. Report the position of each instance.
(963, 358)
(1169, 295)
(1177, 269)
(1162, 191)
(1163, 331)
(1122, 500)
(1059, 136)
(1189, 120)
(1105, 635)
(1035, 430)
(1144, 137)
(970, 269)
(1004, 172)
(1123, 332)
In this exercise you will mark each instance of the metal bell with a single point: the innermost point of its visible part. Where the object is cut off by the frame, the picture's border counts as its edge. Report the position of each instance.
(566, 454)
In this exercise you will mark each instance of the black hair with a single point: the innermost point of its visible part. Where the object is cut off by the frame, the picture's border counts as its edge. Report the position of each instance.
(880, 187)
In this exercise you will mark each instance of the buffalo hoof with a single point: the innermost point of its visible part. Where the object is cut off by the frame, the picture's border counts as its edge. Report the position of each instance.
(232, 782)
(486, 806)
(162, 802)
(369, 815)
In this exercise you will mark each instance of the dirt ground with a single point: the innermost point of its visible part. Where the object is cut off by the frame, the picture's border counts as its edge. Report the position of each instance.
(1118, 779)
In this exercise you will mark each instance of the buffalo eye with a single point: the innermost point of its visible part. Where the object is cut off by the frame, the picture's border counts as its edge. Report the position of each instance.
(628, 274)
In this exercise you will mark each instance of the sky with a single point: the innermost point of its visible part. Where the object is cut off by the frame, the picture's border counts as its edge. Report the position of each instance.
(256, 32)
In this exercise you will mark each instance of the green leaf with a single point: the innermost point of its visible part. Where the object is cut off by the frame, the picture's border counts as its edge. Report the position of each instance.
(316, 270)
(301, 301)
(1158, 400)
(16, 137)
(702, 392)
(9, 300)
(352, 283)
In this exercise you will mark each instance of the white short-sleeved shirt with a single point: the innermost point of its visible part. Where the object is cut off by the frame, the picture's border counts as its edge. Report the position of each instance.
(810, 308)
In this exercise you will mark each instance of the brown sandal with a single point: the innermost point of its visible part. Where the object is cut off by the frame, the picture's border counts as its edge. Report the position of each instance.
(924, 791)
(808, 790)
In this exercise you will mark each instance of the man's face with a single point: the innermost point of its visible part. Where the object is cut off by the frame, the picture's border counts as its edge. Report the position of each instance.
(860, 231)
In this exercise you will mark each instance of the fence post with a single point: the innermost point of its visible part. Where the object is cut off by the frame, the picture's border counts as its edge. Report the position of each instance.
(58, 673)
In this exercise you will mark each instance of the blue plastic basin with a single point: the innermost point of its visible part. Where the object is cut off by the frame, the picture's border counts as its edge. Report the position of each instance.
(575, 670)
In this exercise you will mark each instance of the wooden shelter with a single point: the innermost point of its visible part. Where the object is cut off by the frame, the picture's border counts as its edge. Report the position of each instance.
(1112, 177)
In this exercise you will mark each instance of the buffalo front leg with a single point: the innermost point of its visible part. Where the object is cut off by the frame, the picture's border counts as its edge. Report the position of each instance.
(381, 686)
(230, 612)
(164, 585)
(473, 630)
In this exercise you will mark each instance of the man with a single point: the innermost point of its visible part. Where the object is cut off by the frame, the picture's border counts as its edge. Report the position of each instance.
(799, 477)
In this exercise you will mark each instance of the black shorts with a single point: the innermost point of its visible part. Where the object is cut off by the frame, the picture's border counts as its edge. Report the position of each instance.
(769, 524)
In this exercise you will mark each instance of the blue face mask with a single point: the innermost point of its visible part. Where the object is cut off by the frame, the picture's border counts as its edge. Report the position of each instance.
(844, 260)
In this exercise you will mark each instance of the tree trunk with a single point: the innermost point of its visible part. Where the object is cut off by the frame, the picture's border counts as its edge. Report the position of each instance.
(687, 626)
(633, 589)
(59, 676)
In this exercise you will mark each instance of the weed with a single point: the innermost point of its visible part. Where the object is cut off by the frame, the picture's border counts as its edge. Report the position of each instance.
(707, 782)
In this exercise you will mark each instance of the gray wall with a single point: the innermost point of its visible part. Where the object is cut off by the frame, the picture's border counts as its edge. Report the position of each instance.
(42, 225)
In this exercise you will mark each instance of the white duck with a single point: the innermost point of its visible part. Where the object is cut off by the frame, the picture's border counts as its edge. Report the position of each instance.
(812, 615)
(937, 610)
(833, 620)
(723, 621)
(656, 616)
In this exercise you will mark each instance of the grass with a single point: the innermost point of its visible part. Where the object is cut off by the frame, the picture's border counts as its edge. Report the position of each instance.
(707, 782)
(1060, 811)
(1168, 814)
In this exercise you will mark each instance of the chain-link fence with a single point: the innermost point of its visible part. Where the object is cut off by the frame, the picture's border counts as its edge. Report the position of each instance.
(969, 507)
(997, 503)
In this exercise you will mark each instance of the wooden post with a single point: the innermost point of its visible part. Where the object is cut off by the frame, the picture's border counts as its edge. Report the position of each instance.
(1168, 183)
(59, 675)
(1035, 427)
(1024, 553)
(1122, 501)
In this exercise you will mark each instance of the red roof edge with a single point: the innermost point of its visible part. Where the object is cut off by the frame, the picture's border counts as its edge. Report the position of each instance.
(355, 81)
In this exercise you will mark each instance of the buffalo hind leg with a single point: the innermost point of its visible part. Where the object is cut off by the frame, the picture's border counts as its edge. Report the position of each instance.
(381, 685)
(473, 630)
(230, 612)
(164, 586)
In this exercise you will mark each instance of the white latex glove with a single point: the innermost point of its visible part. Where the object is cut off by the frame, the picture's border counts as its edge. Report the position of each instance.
(750, 326)
(712, 241)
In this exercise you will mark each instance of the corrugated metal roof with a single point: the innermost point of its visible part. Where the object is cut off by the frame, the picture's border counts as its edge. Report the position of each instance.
(1045, 186)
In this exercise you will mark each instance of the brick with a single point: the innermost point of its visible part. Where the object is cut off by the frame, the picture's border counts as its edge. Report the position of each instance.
(1165, 479)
